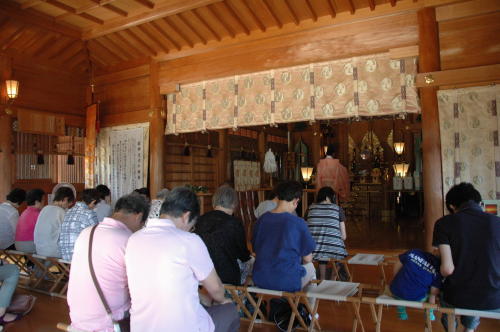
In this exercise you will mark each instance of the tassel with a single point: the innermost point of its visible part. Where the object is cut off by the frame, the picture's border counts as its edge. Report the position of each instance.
(70, 160)
(209, 151)
(40, 160)
(186, 149)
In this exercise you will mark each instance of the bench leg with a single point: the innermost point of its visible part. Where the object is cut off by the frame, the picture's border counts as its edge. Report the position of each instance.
(357, 318)
(451, 323)
(257, 311)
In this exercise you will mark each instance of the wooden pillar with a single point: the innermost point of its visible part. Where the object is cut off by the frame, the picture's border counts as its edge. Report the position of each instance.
(261, 146)
(223, 157)
(316, 144)
(156, 132)
(90, 145)
(6, 157)
(429, 60)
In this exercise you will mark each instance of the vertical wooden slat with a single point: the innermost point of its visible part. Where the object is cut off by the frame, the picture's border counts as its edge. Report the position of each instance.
(156, 133)
(90, 142)
(429, 60)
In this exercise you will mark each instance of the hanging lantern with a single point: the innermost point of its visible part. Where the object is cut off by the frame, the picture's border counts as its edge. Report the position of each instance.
(306, 173)
(399, 148)
(325, 149)
(209, 151)
(12, 88)
(187, 152)
(400, 169)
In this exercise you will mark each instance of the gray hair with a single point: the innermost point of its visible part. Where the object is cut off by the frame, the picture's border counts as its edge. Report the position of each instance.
(162, 194)
(226, 197)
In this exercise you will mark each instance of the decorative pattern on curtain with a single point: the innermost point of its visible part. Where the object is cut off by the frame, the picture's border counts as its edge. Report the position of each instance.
(470, 150)
(246, 175)
(362, 86)
(122, 158)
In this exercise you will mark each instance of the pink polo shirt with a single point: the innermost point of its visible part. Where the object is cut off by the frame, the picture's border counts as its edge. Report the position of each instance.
(25, 228)
(108, 251)
(164, 268)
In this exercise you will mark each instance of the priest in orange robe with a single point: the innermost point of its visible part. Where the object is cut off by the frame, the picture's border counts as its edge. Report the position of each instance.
(331, 173)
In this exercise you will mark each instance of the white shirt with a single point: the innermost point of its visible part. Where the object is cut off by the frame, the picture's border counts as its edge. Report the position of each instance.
(164, 267)
(8, 223)
(47, 230)
(103, 210)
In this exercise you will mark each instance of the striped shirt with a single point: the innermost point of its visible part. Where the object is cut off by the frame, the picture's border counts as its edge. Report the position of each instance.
(324, 224)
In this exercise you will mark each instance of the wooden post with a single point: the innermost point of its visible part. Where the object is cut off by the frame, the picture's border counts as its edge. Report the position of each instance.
(223, 157)
(316, 143)
(156, 132)
(6, 169)
(261, 146)
(90, 144)
(429, 60)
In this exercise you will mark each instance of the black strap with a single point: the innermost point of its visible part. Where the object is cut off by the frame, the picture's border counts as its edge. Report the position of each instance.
(94, 278)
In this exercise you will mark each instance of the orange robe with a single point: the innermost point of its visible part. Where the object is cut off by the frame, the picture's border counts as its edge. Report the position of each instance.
(331, 173)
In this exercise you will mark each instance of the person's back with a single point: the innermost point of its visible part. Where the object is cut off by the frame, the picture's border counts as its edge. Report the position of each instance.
(103, 208)
(76, 220)
(108, 259)
(8, 218)
(47, 230)
(26, 226)
(474, 238)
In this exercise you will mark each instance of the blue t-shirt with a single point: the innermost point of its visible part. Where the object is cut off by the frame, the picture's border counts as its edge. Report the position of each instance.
(420, 271)
(280, 240)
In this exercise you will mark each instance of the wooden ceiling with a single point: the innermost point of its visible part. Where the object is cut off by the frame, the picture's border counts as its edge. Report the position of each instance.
(75, 33)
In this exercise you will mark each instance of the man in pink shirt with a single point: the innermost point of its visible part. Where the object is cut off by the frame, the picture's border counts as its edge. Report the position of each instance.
(331, 173)
(165, 266)
(25, 228)
(87, 311)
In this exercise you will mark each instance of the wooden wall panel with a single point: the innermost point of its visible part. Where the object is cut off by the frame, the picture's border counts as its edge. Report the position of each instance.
(372, 36)
(46, 89)
(469, 42)
(124, 96)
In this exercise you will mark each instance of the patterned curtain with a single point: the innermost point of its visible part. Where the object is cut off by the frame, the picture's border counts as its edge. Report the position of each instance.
(362, 86)
(122, 158)
(469, 138)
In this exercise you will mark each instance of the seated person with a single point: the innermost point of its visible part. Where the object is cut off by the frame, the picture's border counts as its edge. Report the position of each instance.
(9, 275)
(143, 192)
(9, 216)
(326, 222)
(79, 217)
(268, 205)
(108, 259)
(283, 244)
(416, 278)
(25, 229)
(48, 225)
(103, 208)
(154, 212)
(166, 264)
(224, 236)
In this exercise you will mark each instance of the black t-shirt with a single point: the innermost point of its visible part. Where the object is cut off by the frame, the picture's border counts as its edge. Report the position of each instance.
(224, 237)
(474, 238)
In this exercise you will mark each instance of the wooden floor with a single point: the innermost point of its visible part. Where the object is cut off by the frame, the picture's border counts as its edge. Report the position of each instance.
(362, 237)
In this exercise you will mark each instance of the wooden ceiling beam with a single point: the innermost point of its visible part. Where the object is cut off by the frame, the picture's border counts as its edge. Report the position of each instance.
(137, 47)
(71, 51)
(72, 10)
(165, 35)
(171, 8)
(111, 48)
(270, 11)
(291, 12)
(57, 48)
(190, 27)
(140, 42)
(96, 60)
(371, 3)
(146, 3)
(12, 38)
(234, 13)
(352, 9)
(33, 17)
(43, 44)
(97, 4)
(124, 43)
(104, 52)
(30, 3)
(221, 21)
(311, 10)
(206, 25)
(178, 32)
(153, 38)
(254, 17)
(77, 58)
(331, 6)
(121, 47)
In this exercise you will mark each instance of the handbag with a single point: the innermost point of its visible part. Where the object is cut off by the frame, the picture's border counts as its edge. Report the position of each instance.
(122, 325)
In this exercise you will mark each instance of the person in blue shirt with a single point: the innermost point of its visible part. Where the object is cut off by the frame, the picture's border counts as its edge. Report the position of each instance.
(416, 278)
(283, 244)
